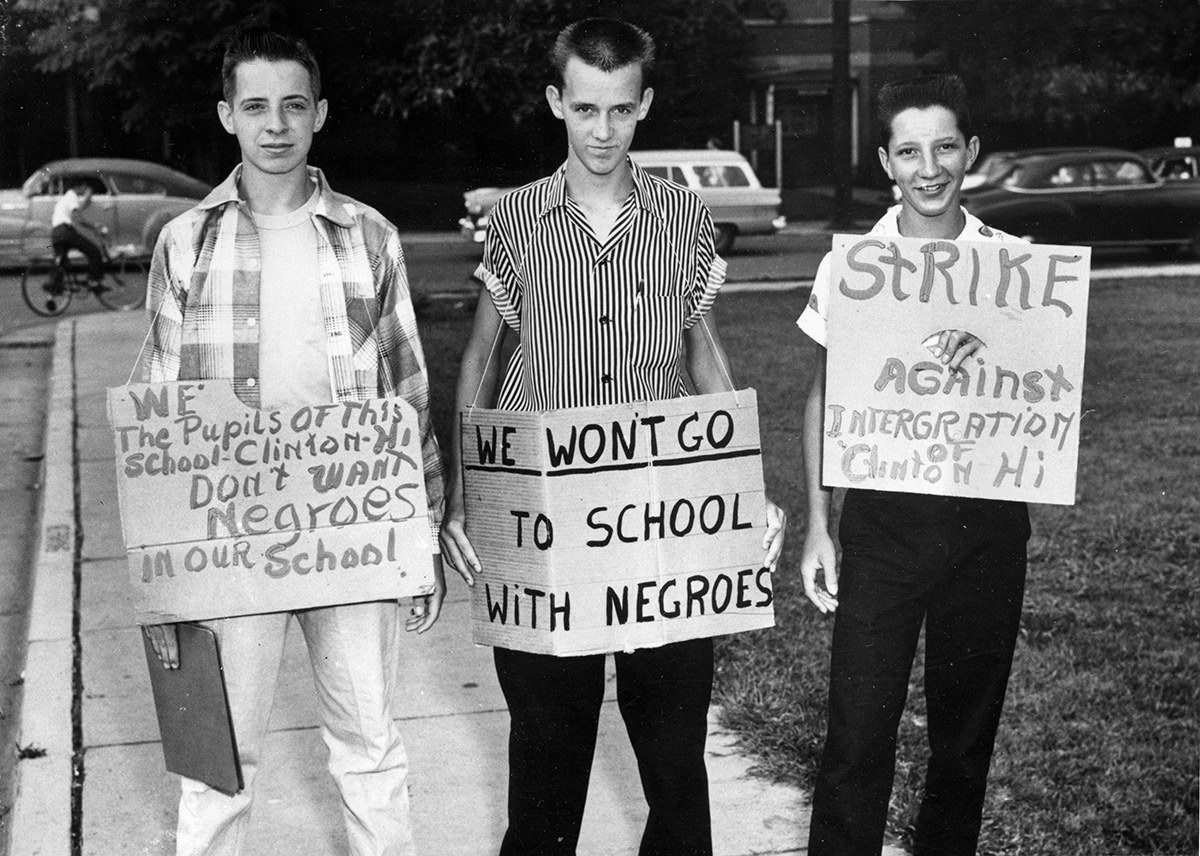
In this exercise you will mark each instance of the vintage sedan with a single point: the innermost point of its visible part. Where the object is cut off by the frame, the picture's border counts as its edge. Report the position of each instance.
(131, 199)
(740, 205)
(1094, 197)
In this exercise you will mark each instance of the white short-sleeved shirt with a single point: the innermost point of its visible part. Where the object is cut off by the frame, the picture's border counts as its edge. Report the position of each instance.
(64, 208)
(813, 321)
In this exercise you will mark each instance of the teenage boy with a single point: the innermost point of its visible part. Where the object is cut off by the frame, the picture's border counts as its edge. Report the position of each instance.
(299, 296)
(604, 273)
(957, 565)
(65, 222)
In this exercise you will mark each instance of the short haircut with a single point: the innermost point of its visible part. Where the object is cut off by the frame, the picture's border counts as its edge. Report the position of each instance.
(931, 90)
(271, 46)
(603, 43)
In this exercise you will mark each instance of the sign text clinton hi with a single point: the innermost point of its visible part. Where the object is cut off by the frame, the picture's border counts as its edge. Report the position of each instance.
(1007, 425)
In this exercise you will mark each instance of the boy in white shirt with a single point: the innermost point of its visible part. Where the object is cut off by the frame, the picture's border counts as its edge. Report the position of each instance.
(955, 565)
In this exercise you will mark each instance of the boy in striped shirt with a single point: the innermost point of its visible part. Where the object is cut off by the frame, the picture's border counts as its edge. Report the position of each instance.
(604, 273)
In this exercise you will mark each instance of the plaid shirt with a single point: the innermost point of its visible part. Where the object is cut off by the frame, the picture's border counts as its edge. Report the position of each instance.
(204, 308)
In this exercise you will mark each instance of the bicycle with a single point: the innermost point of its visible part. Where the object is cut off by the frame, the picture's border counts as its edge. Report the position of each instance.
(122, 288)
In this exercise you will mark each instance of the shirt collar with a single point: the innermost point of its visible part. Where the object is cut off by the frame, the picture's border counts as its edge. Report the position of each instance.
(889, 225)
(329, 204)
(644, 195)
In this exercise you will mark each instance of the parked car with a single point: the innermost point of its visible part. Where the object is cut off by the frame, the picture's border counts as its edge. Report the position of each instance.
(132, 199)
(1095, 197)
(1171, 163)
(740, 205)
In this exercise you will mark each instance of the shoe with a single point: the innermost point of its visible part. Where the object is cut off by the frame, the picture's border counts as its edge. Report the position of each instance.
(54, 288)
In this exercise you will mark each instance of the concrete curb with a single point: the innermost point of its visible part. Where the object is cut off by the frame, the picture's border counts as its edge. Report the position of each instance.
(41, 821)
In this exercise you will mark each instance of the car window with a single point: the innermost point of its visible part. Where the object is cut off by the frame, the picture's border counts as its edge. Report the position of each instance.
(1120, 173)
(126, 183)
(1177, 168)
(1071, 175)
(671, 173)
(63, 183)
(721, 175)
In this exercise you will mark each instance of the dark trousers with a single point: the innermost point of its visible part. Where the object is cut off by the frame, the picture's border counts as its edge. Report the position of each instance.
(663, 694)
(65, 237)
(958, 566)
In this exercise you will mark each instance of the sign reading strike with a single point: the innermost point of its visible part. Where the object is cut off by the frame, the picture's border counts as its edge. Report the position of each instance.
(229, 510)
(1006, 426)
(615, 528)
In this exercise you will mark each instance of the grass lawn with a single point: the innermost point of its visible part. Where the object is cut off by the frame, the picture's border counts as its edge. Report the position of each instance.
(1098, 748)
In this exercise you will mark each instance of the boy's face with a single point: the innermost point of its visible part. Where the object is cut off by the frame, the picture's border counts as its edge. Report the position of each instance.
(273, 115)
(928, 157)
(601, 110)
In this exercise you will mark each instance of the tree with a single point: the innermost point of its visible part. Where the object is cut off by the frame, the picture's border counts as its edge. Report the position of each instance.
(1118, 72)
(473, 71)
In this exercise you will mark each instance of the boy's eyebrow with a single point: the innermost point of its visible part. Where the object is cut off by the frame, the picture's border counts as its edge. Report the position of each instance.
(254, 99)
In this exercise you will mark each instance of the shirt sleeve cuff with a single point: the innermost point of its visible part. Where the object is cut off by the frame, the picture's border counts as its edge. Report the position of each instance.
(813, 325)
(704, 295)
(502, 297)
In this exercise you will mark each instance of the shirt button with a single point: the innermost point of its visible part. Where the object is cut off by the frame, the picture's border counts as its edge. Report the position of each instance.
(251, 322)
(606, 379)
(604, 319)
(251, 382)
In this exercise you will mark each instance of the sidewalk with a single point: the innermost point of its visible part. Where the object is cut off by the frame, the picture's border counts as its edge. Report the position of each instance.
(87, 695)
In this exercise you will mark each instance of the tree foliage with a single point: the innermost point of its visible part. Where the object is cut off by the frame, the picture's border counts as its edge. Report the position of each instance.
(396, 57)
(1120, 72)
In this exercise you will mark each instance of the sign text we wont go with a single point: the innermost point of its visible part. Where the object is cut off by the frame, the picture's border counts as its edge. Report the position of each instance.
(615, 528)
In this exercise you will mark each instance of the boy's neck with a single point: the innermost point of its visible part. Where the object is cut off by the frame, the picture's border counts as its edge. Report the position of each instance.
(275, 194)
(946, 226)
(589, 189)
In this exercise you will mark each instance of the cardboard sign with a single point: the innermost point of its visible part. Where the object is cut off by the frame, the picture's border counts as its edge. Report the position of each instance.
(227, 510)
(615, 528)
(1007, 425)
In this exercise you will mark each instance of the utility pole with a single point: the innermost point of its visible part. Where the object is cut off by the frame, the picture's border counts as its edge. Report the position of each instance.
(839, 51)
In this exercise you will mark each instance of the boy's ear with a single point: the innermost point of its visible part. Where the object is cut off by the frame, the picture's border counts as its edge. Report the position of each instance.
(972, 151)
(885, 163)
(322, 114)
(644, 107)
(225, 114)
(554, 99)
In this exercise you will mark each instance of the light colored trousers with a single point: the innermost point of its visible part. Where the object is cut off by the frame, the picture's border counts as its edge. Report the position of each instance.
(355, 655)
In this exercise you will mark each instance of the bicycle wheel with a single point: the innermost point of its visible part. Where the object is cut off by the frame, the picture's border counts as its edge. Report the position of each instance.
(35, 282)
(125, 285)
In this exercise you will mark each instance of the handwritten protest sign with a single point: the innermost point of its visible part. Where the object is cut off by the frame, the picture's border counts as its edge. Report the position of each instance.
(615, 528)
(228, 510)
(1007, 425)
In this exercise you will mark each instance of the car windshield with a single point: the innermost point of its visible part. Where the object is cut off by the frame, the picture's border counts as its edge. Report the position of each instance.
(36, 184)
(721, 175)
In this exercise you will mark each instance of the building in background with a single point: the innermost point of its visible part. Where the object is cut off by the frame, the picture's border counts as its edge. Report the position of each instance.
(790, 74)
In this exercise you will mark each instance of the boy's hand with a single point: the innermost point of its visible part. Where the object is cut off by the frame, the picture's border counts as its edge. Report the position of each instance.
(456, 547)
(164, 639)
(820, 555)
(953, 347)
(427, 608)
(773, 539)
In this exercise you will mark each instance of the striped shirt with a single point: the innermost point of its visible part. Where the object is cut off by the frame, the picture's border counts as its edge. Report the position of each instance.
(598, 323)
(203, 301)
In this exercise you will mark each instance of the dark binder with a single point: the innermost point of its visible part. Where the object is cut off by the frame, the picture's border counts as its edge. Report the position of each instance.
(193, 711)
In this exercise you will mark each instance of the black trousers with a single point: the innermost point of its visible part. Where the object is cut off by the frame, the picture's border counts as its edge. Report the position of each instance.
(65, 237)
(663, 694)
(958, 566)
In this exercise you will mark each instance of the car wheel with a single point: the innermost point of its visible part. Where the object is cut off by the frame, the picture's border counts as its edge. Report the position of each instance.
(723, 236)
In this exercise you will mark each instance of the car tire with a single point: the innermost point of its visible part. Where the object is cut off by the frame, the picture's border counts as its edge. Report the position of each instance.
(723, 237)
